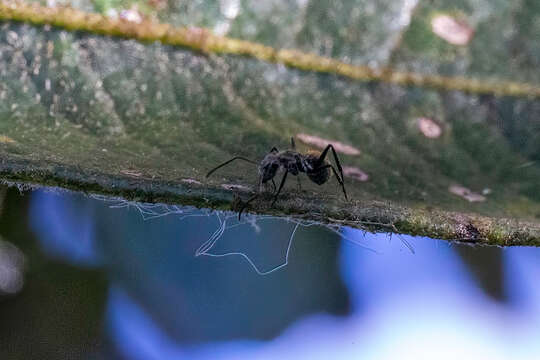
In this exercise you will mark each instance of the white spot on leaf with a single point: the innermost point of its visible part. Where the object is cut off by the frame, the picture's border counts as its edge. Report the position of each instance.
(355, 173)
(456, 32)
(466, 194)
(323, 143)
(131, 15)
(235, 187)
(191, 181)
(429, 127)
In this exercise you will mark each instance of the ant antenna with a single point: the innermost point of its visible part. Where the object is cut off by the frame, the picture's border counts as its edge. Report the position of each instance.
(230, 161)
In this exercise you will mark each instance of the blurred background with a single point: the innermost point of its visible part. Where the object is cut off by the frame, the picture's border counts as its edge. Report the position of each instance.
(92, 277)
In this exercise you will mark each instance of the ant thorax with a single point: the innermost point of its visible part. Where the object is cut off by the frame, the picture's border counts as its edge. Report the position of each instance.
(291, 161)
(294, 163)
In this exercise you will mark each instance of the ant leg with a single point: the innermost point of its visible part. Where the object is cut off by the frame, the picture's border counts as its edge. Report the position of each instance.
(280, 187)
(336, 159)
(340, 180)
(245, 205)
(338, 164)
(229, 161)
(260, 184)
(274, 187)
(293, 144)
(274, 150)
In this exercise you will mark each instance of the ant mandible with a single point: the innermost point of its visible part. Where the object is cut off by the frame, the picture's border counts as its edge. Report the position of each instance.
(313, 163)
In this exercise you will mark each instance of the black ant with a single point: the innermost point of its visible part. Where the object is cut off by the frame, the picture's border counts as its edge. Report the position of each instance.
(313, 163)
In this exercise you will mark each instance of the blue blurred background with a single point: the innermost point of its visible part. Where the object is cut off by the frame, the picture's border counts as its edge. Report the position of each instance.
(91, 277)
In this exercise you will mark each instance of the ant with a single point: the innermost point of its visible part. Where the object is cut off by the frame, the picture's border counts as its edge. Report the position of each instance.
(313, 163)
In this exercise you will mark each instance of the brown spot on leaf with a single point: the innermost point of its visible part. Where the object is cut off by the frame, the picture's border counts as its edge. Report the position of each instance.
(6, 140)
(323, 143)
(355, 173)
(454, 31)
(196, 35)
(466, 194)
(430, 128)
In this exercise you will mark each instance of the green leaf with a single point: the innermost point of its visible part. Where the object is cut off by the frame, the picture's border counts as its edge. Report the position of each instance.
(148, 120)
